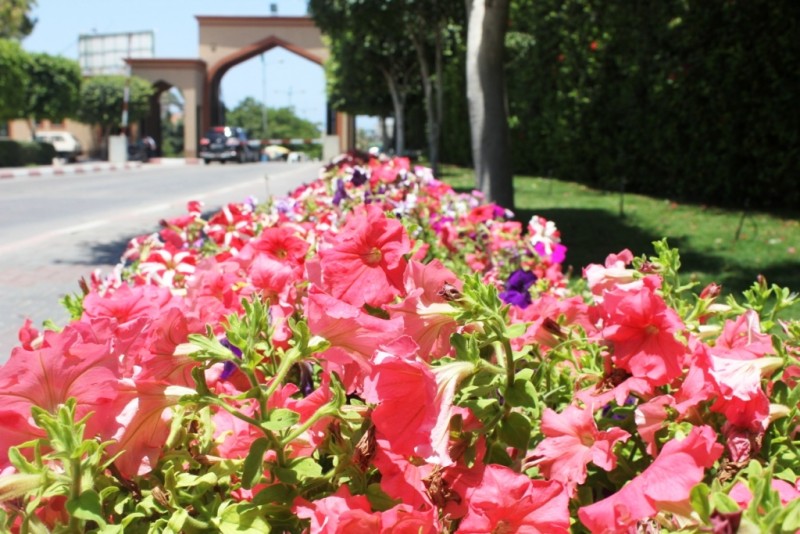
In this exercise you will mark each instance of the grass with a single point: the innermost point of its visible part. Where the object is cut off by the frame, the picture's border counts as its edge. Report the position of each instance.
(728, 247)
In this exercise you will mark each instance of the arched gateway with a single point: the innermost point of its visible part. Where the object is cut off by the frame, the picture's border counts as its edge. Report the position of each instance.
(224, 43)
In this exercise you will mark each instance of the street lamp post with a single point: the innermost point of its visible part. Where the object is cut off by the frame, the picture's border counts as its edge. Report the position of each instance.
(264, 97)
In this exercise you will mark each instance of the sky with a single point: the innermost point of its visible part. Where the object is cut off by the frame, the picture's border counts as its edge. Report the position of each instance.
(290, 80)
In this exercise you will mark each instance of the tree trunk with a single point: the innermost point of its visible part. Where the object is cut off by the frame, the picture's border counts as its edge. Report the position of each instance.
(384, 134)
(486, 95)
(32, 127)
(430, 104)
(398, 102)
(438, 88)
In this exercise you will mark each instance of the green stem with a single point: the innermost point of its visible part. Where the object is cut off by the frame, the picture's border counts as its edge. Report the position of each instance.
(328, 409)
(494, 369)
(286, 365)
(75, 491)
(262, 399)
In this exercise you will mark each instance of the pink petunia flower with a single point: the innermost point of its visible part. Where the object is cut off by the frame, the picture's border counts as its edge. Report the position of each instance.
(507, 501)
(415, 425)
(663, 486)
(572, 442)
(426, 316)
(365, 265)
(339, 513)
(611, 275)
(64, 366)
(353, 334)
(642, 329)
(742, 339)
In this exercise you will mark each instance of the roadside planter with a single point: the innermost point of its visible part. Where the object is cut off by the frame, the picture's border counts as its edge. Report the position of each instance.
(375, 352)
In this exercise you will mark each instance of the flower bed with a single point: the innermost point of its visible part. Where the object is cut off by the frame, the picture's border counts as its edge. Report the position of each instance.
(375, 352)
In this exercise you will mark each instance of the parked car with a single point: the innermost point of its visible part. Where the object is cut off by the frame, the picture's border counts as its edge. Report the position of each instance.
(67, 145)
(227, 143)
(297, 157)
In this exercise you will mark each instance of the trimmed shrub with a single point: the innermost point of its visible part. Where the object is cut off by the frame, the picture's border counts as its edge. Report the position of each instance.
(690, 100)
(21, 153)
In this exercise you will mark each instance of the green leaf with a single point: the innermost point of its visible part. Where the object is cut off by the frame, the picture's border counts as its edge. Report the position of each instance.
(379, 499)
(699, 498)
(497, 455)
(243, 518)
(275, 493)
(281, 419)
(515, 430)
(791, 518)
(298, 470)
(188, 480)
(516, 330)
(87, 507)
(722, 503)
(178, 519)
(522, 393)
(253, 464)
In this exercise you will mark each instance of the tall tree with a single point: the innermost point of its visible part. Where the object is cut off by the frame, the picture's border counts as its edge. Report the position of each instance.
(15, 19)
(428, 24)
(13, 78)
(375, 30)
(486, 94)
(102, 100)
(54, 89)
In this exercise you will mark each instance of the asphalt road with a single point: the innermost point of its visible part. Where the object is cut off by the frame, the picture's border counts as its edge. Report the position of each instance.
(56, 229)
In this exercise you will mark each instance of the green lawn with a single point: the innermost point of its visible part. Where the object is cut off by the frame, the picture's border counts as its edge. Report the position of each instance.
(591, 227)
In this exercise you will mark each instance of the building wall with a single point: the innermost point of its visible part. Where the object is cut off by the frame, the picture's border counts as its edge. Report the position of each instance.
(89, 137)
(221, 37)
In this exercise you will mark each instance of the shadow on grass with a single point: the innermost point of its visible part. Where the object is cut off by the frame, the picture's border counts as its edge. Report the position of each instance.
(785, 274)
(592, 234)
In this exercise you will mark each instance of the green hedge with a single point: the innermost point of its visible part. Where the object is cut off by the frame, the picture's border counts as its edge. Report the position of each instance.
(688, 99)
(22, 153)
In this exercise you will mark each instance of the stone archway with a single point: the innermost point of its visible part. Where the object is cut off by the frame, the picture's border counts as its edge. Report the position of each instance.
(226, 42)
(188, 75)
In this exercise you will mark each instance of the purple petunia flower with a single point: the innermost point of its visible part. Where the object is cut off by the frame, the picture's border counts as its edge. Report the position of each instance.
(340, 193)
(359, 177)
(229, 367)
(517, 286)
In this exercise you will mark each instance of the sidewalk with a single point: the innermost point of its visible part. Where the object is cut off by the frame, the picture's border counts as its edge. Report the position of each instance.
(87, 167)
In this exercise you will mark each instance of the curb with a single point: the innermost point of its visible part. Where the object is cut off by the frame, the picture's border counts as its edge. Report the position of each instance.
(59, 170)
(174, 161)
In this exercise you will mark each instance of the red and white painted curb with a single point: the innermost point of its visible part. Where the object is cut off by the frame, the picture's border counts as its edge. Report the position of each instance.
(96, 166)
(75, 168)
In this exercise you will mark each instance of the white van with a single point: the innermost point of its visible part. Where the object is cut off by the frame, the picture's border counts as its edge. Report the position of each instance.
(67, 145)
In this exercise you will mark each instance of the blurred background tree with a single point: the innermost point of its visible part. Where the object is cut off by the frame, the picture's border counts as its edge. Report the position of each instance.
(282, 123)
(101, 102)
(15, 19)
(54, 89)
(13, 77)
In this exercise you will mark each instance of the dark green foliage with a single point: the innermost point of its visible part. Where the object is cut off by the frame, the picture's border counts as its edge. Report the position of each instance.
(172, 138)
(15, 19)
(689, 99)
(13, 76)
(54, 90)
(22, 153)
(282, 123)
(102, 98)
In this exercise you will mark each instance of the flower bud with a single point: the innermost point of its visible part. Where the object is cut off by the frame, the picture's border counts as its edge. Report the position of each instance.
(18, 484)
(711, 291)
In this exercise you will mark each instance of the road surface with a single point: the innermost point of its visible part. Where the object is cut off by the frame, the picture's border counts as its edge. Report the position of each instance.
(56, 229)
